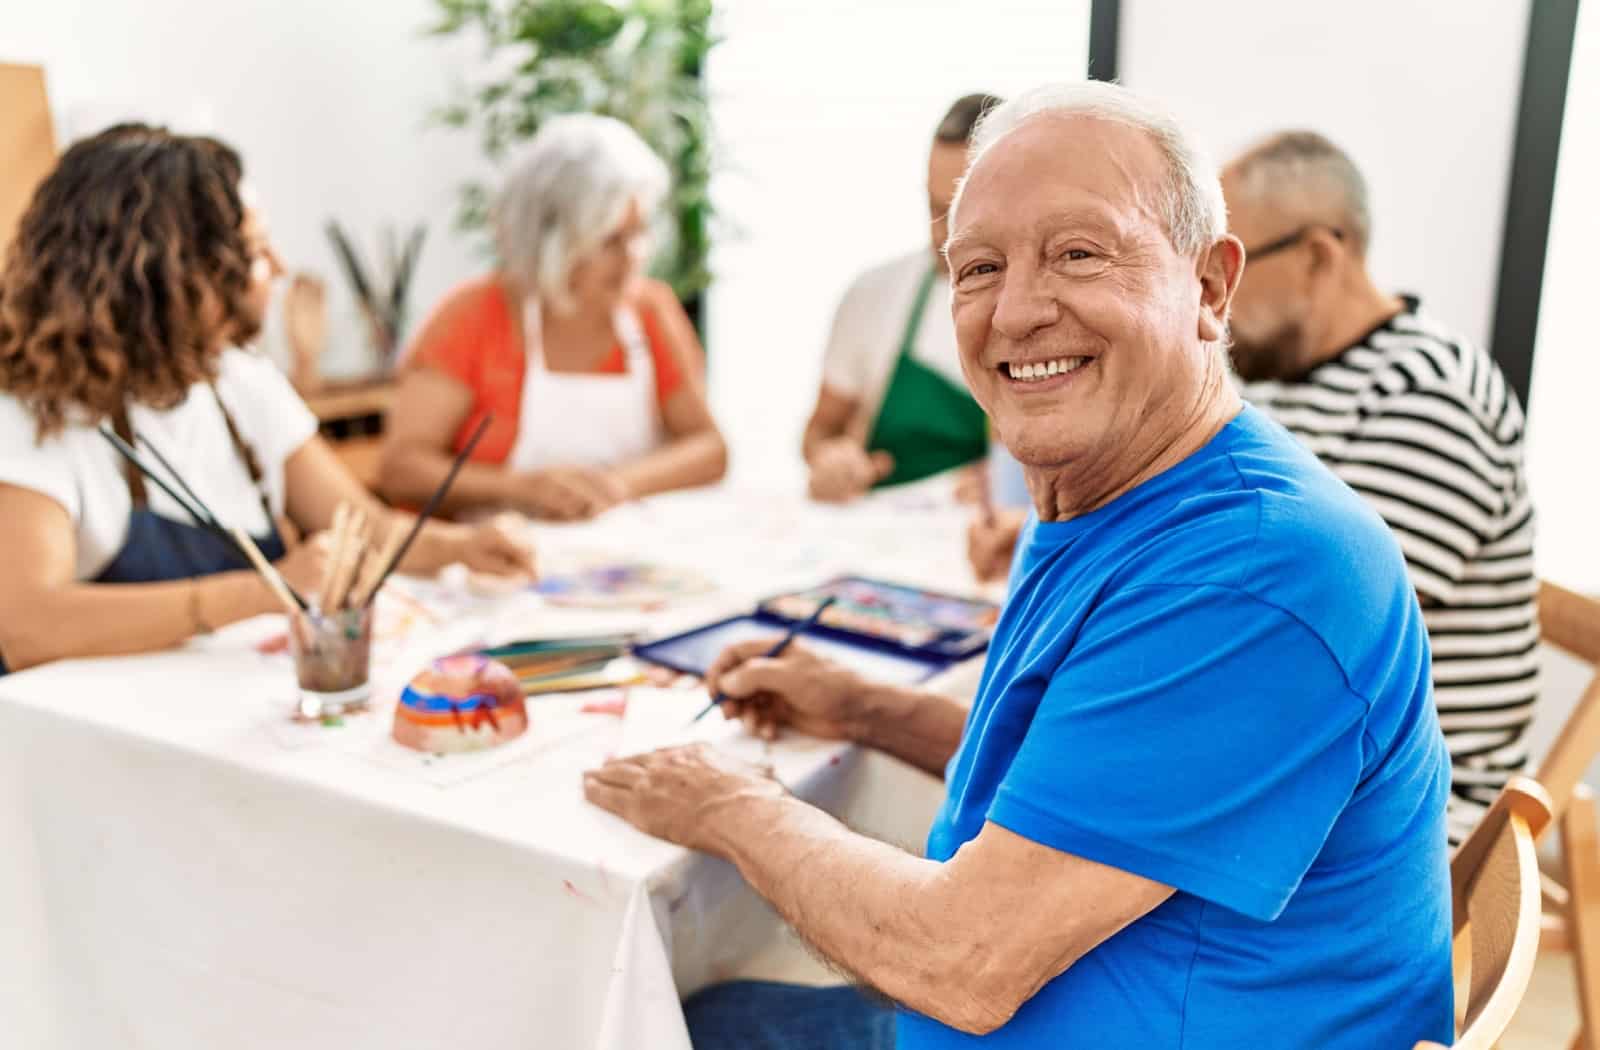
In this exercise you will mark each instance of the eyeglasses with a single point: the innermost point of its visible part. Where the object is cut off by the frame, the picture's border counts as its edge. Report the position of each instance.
(1289, 241)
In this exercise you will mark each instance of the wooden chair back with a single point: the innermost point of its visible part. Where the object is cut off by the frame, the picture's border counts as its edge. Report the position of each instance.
(1571, 622)
(1494, 881)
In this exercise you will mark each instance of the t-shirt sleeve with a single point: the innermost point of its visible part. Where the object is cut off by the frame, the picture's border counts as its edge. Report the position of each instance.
(43, 468)
(669, 371)
(849, 355)
(451, 340)
(1195, 736)
(270, 414)
(1438, 476)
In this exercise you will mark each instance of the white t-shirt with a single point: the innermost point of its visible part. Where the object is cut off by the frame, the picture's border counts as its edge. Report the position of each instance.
(80, 470)
(869, 325)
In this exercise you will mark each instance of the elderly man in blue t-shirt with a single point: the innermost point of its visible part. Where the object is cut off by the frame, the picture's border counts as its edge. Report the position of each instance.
(1198, 801)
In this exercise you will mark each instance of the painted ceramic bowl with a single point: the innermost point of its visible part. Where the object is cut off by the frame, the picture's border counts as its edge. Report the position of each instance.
(460, 703)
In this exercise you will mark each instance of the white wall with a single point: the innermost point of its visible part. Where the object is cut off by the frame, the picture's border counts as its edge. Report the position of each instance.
(326, 100)
(1422, 93)
(824, 111)
(1562, 437)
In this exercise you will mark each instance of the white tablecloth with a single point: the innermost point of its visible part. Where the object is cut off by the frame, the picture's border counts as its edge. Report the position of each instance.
(180, 866)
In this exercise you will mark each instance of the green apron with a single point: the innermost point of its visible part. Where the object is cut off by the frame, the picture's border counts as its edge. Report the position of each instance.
(927, 423)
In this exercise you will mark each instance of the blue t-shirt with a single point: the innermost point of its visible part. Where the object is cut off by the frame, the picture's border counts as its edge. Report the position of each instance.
(1220, 681)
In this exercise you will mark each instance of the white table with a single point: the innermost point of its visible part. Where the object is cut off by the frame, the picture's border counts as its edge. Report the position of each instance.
(182, 867)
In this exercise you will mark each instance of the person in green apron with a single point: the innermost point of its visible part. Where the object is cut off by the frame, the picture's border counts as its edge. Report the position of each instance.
(893, 406)
(927, 423)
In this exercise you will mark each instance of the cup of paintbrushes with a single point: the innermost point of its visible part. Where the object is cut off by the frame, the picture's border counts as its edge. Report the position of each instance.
(332, 660)
(332, 642)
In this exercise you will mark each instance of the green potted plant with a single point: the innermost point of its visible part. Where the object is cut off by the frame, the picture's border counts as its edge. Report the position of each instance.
(637, 60)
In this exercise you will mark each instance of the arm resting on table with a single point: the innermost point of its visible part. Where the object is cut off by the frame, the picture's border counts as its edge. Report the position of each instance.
(965, 942)
(46, 614)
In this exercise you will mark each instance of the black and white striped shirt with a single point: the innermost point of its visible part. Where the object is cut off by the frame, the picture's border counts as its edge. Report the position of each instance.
(1424, 426)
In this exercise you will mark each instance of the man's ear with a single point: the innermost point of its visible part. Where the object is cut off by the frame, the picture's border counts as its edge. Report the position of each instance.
(1323, 249)
(1219, 269)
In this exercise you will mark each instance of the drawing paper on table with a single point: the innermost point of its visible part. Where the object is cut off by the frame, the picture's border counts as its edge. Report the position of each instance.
(658, 718)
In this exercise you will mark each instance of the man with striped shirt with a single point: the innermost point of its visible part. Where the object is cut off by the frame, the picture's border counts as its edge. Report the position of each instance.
(1418, 421)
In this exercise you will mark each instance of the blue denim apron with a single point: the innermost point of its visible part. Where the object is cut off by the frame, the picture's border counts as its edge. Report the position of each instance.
(158, 549)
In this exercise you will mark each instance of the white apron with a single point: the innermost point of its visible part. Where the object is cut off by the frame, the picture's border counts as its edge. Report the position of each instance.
(586, 419)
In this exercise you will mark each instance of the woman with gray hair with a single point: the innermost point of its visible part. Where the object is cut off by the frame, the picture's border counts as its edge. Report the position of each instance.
(592, 372)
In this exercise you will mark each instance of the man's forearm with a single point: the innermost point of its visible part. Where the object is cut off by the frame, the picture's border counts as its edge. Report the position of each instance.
(914, 725)
(694, 459)
(875, 911)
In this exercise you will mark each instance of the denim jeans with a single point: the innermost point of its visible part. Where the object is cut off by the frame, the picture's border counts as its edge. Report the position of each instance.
(766, 1015)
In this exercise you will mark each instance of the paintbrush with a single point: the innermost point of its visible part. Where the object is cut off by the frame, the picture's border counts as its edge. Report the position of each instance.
(348, 559)
(777, 650)
(203, 516)
(279, 586)
(400, 279)
(200, 515)
(353, 270)
(339, 531)
(173, 471)
(432, 505)
(367, 586)
(207, 519)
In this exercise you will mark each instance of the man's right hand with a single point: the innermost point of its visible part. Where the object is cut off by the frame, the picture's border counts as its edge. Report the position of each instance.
(841, 470)
(798, 689)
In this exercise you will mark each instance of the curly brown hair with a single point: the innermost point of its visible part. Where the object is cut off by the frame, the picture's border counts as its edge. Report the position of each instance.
(127, 278)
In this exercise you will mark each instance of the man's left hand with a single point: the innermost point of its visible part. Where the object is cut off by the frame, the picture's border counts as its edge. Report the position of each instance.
(678, 793)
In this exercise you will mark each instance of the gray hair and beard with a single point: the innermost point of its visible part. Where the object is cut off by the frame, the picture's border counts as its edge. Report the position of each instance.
(1274, 356)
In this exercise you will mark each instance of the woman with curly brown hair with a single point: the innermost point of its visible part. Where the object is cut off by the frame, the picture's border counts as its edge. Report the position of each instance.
(136, 273)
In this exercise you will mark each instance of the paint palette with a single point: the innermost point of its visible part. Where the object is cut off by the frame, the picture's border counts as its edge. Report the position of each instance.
(886, 631)
(906, 617)
(623, 584)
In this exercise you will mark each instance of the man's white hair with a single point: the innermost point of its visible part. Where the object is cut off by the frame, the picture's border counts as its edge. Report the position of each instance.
(566, 193)
(1191, 206)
